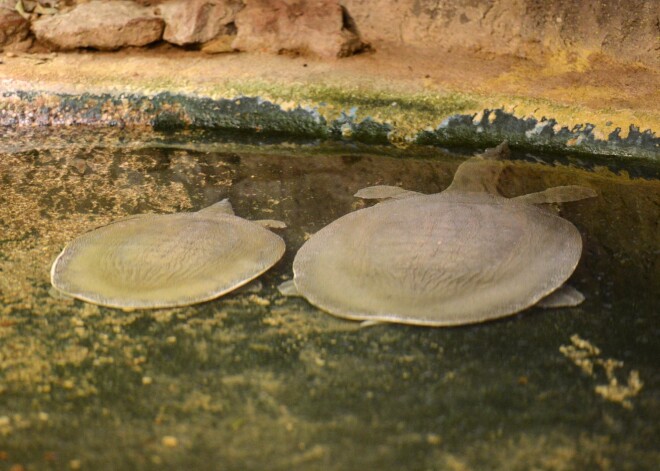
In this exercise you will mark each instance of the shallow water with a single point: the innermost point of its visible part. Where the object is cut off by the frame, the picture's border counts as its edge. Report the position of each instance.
(257, 381)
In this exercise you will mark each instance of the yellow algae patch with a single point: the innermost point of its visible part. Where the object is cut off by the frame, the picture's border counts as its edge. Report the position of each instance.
(28, 364)
(587, 356)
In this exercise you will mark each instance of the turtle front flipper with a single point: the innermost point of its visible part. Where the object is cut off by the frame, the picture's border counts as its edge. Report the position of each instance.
(381, 192)
(565, 296)
(558, 194)
(481, 173)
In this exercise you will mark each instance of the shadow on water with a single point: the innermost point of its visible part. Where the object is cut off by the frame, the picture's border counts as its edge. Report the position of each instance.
(257, 381)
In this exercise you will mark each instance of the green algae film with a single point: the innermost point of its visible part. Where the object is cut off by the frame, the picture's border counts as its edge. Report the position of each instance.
(258, 381)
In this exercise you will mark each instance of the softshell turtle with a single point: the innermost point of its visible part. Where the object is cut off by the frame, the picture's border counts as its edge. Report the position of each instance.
(465, 255)
(155, 261)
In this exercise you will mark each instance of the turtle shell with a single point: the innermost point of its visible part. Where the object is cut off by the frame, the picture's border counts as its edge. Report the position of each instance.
(156, 261)
(441, 259)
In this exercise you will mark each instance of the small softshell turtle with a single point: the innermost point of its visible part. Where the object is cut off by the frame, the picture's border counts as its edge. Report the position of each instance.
(461, 256)
(155, 261)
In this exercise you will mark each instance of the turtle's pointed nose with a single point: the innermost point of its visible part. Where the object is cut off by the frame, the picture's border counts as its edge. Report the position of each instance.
(500, 152)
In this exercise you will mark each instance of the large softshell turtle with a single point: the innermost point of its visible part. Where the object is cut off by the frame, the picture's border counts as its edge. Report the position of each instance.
(464, 255)
(156, 261)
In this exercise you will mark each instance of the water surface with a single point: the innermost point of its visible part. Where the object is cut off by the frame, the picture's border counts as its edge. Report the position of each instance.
(257, 381)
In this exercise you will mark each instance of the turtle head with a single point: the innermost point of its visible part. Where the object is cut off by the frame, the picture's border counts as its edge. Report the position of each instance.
(501, 152)
(481, 172)
(218, 209)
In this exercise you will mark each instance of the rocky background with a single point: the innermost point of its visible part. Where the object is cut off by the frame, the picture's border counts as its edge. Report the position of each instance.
(322, 27)
(626, 30)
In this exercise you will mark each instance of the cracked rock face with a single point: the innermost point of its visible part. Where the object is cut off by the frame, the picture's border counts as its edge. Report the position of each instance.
(317, 27)
(520, 27)
(100, 25)
(198, 21)
(13, 27)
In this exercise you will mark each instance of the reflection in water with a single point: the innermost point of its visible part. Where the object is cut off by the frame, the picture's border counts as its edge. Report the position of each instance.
(256, 381)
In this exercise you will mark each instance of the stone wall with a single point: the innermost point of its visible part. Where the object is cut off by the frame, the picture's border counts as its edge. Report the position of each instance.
(626, 29)
(306, 27)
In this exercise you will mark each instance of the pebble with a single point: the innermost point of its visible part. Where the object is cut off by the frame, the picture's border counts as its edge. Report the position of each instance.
(259, 300)
(170, 441)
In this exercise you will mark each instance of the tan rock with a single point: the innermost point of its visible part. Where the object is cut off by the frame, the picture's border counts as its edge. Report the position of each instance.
(318, 27)
(100, 25)
(198, 21)
(13, 28)
(520, 27)
(221, 44)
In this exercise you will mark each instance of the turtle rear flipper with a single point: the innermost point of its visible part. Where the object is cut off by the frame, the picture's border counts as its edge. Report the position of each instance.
(565, 296)
(289, 289)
